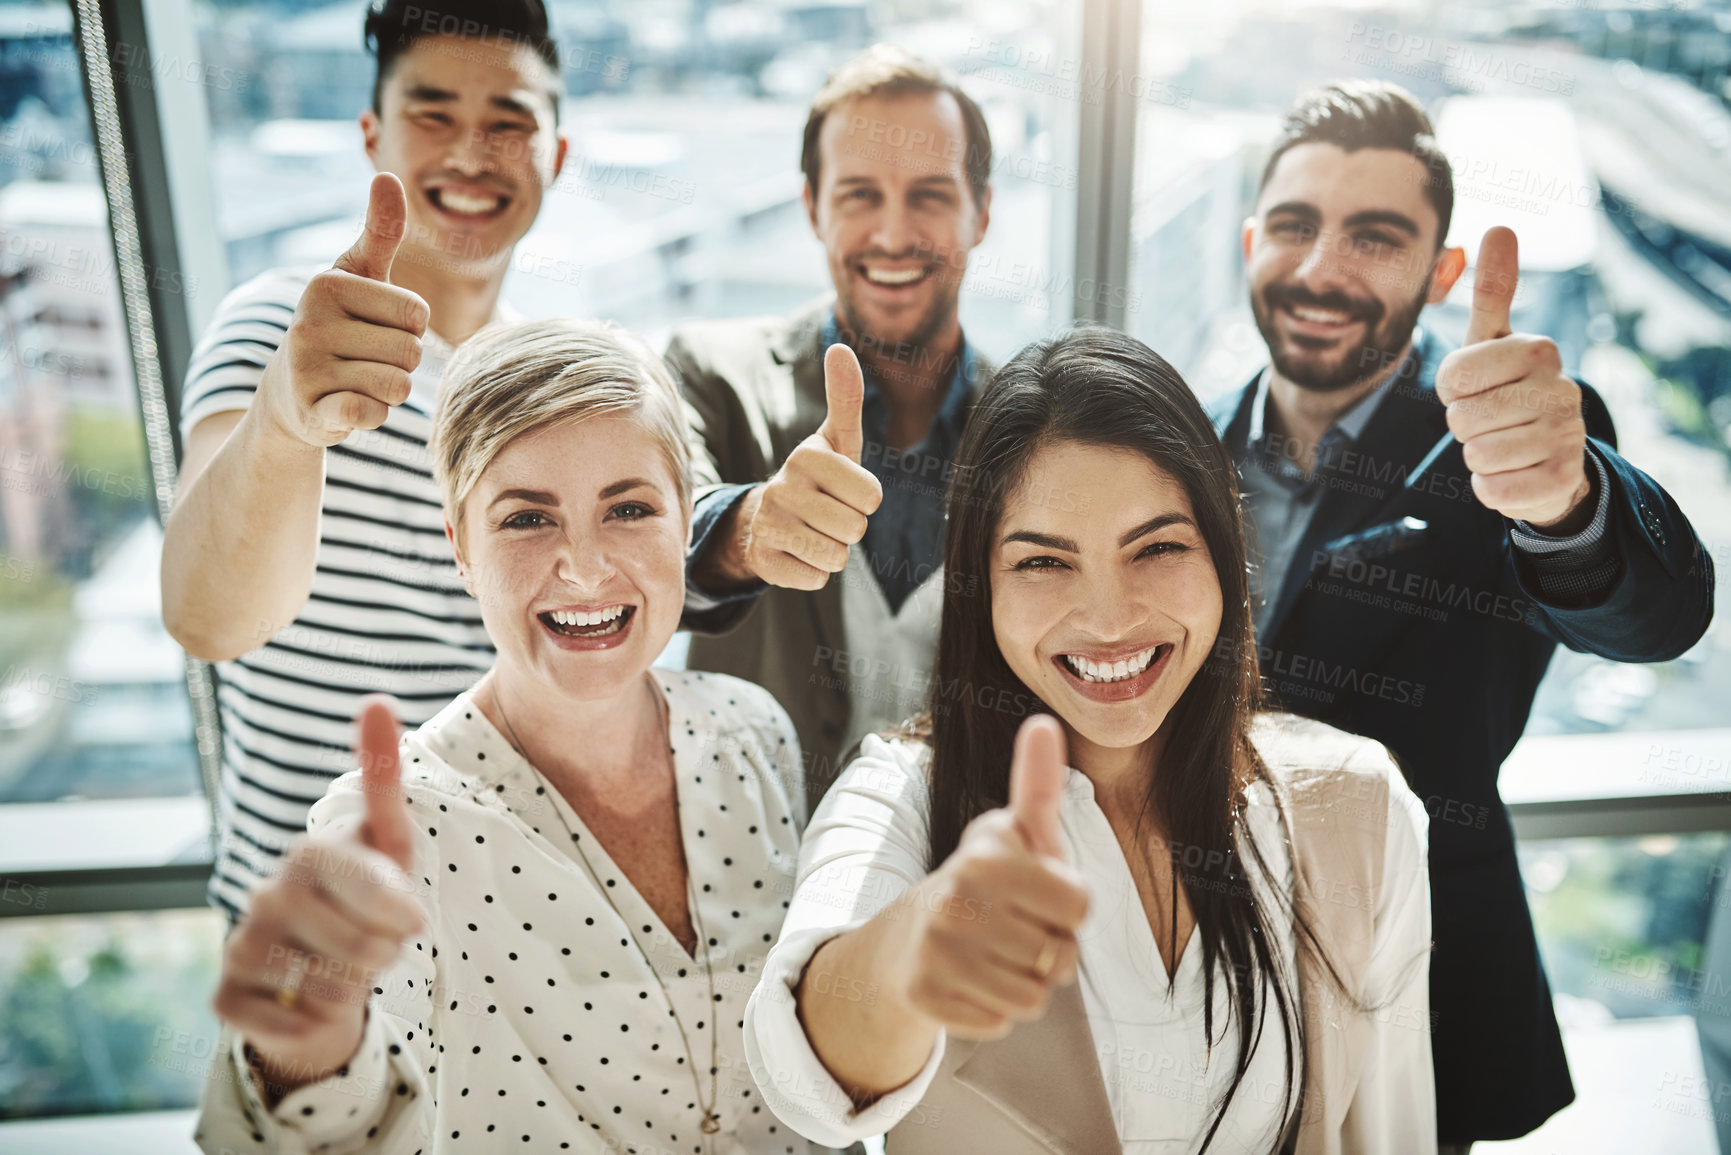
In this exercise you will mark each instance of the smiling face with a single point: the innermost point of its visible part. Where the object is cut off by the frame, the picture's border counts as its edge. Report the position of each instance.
(1106, 616)
(468, 125)
(574, 543)
(895, 214)
(1341, 257)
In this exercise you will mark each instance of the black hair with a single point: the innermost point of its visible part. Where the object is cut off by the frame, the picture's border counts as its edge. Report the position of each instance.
(1096, 386)
(393, 26)
(1355, 114)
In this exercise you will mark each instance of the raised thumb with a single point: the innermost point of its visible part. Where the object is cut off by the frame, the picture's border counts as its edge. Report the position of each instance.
(1037, 776)
(387, 219)
(1494, 279)
(386, 828)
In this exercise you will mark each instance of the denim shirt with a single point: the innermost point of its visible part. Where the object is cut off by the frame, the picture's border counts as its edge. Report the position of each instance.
(904, 539)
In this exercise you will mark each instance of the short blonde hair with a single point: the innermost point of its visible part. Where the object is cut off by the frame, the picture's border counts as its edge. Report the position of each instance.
(520, 377)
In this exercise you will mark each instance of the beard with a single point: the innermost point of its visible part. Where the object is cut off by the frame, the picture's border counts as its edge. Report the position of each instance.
(876, 341)
(1386, 335)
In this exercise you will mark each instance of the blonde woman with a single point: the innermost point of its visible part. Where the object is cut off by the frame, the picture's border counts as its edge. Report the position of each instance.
(536, 927)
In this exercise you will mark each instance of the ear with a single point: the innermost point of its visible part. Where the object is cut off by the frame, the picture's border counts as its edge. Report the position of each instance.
(810, 200)
(561, 145)
(1450, 263)
(457, 552)
(370, 134)
(985, 217)
(1247, 237)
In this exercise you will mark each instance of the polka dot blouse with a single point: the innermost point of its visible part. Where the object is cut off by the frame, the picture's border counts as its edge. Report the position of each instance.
(524, 1018)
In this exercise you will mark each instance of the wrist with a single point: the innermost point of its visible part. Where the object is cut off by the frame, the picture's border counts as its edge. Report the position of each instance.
(268, 440)
(277, 1077)
(1577, 516)
(725, 563)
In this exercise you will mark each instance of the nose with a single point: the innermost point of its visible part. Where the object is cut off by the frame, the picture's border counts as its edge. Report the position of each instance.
(1326, 264)
(584, 566)
(1111, 606)
(894, 231)
(467, 153)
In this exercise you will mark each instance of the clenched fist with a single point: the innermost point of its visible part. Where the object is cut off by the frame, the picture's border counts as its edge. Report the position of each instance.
(355, 337)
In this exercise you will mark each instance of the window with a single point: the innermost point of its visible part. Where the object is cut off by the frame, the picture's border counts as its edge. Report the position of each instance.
(681, 193)
(94, 711)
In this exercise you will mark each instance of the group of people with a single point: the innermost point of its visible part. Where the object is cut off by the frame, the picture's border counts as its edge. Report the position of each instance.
(1178, 840)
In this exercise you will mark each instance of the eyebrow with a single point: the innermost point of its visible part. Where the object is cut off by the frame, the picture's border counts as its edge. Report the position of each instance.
(431, 94)
(625, 486)
(1068, 545)
(1390, 217)
(534, 496)
(1357, 220)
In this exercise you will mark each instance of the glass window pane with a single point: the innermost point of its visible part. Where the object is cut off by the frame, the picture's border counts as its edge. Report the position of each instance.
(93, 703)
(680, 196)
(108, 1013)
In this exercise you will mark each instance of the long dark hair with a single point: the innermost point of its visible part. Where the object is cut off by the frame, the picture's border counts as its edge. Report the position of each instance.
(1099, 387)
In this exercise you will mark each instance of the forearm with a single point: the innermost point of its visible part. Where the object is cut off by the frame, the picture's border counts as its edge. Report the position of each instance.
(240, 547)
(868, 1038)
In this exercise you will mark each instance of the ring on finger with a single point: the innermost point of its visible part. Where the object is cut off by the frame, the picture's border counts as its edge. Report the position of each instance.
(1048, 957)
(289, 993)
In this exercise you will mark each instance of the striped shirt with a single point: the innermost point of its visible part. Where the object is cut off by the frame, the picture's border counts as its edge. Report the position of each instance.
(387, 611)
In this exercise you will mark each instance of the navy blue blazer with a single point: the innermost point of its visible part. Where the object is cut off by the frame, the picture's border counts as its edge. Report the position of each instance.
(1432, 640)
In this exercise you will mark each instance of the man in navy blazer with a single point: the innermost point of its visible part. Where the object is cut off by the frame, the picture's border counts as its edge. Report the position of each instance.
(1427, 525)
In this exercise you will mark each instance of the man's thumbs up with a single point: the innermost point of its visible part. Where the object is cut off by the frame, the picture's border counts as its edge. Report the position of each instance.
(1514, 411)
(387, 219)
(844, 395)
(355, 338)
(795, 529)
(1037, 776)
(1494, 279)
(386, 828)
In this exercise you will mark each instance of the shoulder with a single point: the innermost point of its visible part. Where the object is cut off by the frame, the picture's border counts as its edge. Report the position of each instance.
(273, 287)
(721, 347)
(891, 766)
(1313, 759)
(1338, 781)
(730, 707)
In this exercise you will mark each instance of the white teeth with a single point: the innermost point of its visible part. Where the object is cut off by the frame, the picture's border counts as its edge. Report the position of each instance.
(1091, 671)
(1320, 316)
(594, 618)
(894, 276)
(464, 203)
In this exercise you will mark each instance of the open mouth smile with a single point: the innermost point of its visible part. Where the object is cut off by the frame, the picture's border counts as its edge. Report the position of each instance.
(1114, 677)
(588, 629)
(468, 205)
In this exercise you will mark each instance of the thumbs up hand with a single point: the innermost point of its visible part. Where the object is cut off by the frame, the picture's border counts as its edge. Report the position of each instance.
(795, 529)
(355, 337)
(299, 968)
(1516, 414)
(994, 927)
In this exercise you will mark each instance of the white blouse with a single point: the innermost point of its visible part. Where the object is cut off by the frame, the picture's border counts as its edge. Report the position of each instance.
(868, 843)
(524, 1018)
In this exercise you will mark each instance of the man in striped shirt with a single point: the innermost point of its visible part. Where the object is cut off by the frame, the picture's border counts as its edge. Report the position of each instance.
(306, 554)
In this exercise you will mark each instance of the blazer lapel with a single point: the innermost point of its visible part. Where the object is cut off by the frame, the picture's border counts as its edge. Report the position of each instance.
(1045, 1075)
(1372, 473)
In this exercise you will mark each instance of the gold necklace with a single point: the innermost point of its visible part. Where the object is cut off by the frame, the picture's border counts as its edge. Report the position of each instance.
(711, 1120)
